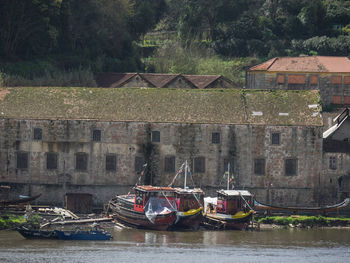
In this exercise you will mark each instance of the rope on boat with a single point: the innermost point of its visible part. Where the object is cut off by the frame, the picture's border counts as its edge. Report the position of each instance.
(245, 201)
(176, 175)
(169, 201)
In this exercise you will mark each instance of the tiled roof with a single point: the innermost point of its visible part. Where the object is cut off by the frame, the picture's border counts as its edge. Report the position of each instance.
(202, 81)
(305, 64)
(112, 79)
(159, 105)
(157, 80)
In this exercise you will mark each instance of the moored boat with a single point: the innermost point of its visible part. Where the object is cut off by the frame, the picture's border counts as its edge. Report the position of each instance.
(230, 210)
(297, 209)
(189, 208)
(149, 207)
(37, 233)
(189, 203)
(93, 234)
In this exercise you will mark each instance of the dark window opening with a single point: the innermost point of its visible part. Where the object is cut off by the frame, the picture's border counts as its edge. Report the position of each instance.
(291, 167)
(51, 161)
(259, 166)
(155, 136)
(22, 160)
(81, 161)
(275, 138)
(169, 164)
(199, 165)
(96, 135)
(139, 164)
(38, 134)
(111, 162)
(333, 163)
(215, 137)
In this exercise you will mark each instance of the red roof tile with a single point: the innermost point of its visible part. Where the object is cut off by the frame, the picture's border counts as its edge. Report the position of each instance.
(306, 64)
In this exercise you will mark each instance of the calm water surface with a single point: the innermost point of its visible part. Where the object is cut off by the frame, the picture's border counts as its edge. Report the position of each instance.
(293, 245)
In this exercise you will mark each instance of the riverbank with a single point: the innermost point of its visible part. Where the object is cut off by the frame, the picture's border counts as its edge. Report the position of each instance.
(299, 221)
(8, 221)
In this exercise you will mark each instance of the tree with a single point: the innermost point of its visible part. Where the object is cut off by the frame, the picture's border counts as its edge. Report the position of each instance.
(27, 27)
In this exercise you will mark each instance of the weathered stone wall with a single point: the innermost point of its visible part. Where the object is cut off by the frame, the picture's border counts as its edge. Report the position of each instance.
(335, 182)
(242, 143)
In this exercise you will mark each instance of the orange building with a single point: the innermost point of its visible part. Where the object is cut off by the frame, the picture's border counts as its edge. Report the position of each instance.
(329, 75)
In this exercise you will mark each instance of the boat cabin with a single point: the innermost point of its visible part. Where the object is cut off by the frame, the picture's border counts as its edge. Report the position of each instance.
(187, 199)
(164, 196)
(232, 201)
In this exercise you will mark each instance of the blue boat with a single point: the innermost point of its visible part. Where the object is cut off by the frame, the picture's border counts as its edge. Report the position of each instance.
(94, 234)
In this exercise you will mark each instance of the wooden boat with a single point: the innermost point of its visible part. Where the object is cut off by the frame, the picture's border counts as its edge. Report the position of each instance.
(189, 208)
(294, 209)
(19, 200)
(189, 204)
(37, 233)
(149, 207)
(230, 210)
(93, 234)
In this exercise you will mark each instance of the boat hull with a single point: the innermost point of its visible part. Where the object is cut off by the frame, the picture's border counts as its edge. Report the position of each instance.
(239, 221)
(189, 220)
(37, 234)
(133, 218)
(84, 235)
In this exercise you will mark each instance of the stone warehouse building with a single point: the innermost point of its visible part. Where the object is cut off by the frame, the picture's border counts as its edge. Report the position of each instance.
(329, 75)
(93, 140)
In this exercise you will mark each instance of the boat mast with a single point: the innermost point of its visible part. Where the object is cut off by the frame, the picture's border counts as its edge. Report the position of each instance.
(185, 174)
(228, 176)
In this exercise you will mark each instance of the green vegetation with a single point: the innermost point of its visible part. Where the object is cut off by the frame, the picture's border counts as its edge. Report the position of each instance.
(63, 42)
(305, 221)
(8, 221)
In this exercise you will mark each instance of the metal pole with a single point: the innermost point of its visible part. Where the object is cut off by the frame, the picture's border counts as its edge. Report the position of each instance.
(185, 174)
(228, 176)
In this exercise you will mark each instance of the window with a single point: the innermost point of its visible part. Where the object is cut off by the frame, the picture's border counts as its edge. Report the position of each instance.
(347, 80)
(139, 162)
(336, 80)
(296, 79)
(232, 165)
(275, 139)
(199, 165)
(337, 100)
(291, 167)
(38, 134)
(96, 135)
(81, 161)
(22, 160)
(111, 162)
(332, 163)
(259, 166)
(155, 136)
(215, 137)
(313, 80)
(169, 164)
(280, 78)
(51, 161)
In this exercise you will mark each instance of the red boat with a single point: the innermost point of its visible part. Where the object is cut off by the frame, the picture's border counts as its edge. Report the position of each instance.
(230, 210)
(149, 207)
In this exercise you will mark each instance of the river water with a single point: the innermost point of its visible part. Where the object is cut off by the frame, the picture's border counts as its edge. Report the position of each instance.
(132, 245)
